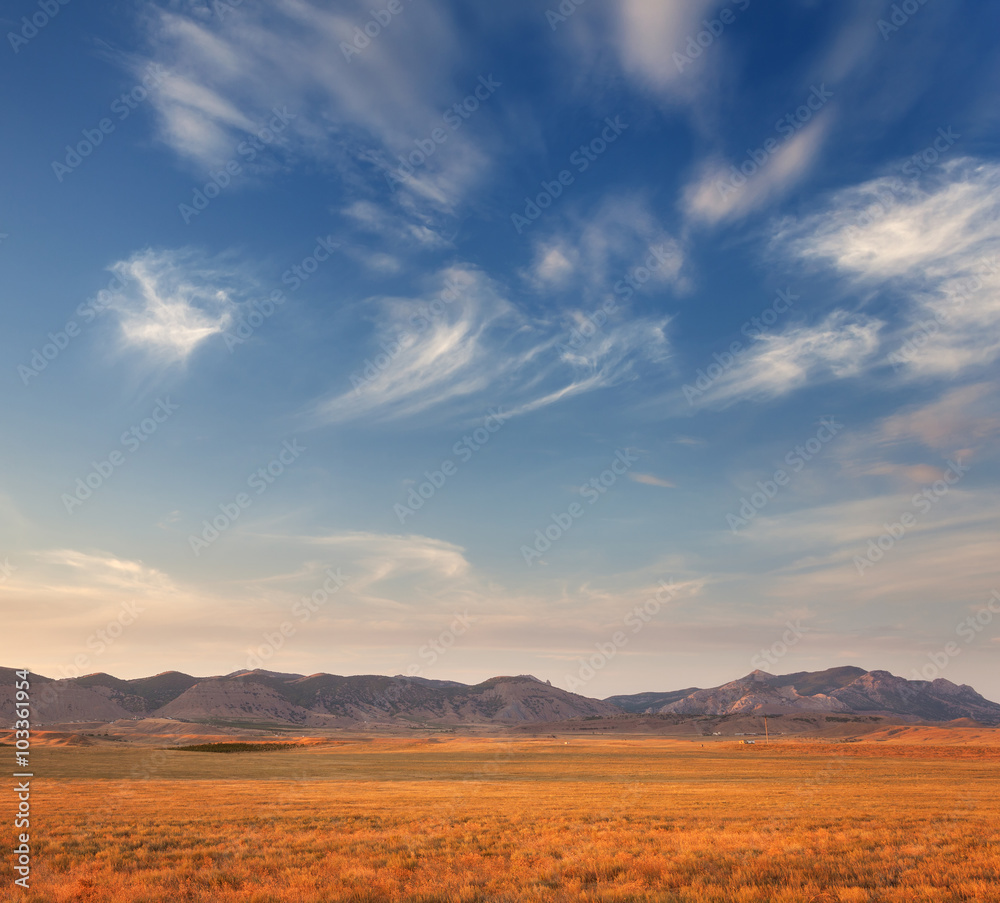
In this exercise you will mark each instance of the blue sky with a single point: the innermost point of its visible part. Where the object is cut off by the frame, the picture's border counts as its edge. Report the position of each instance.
(633, 345)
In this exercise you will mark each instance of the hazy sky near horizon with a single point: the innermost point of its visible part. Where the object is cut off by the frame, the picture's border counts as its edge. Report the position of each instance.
(449, 335)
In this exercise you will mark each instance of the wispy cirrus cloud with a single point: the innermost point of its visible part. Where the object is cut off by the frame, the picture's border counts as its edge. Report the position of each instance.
(841, 345)
(591, 253)
(76, 568)
(963, 418)
(467, 341)
(648, 479)
(711, 197)
(356, 111)
(915, 443)
(949, 550)
(421, 232)
(379, 562)
(934, 244)
(171, 301)
(648, 33)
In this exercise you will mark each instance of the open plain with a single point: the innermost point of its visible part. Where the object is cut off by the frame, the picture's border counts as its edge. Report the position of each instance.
(896, 816)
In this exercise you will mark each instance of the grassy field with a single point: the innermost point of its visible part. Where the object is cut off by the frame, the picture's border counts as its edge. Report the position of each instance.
(494, 820)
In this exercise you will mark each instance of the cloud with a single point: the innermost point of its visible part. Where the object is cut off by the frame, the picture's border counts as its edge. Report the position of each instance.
(419, 232)
(467, 341)
(74, 569)
(961, 418)
(948, 553)
(552, 265)
(840, 346)
(934, 245)
(358, 110)
(172, 301)
(913, 444)
(648, 479)
(914, 473)
(390, 570)
(713, 197)
(647, 35)
(594, 252)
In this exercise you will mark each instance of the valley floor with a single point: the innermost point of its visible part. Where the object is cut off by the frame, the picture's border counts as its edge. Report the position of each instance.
(578, 819)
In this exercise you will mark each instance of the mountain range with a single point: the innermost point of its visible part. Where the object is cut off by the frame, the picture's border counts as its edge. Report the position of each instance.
(330, 701)
(844, 690)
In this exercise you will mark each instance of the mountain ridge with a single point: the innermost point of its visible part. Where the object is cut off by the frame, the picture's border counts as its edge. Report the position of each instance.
(845, 690)
(330, 700)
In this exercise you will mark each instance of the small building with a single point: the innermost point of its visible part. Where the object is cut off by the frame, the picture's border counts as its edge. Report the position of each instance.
(748, 742)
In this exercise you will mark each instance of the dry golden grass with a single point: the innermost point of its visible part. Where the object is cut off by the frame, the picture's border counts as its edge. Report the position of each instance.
(480, 820)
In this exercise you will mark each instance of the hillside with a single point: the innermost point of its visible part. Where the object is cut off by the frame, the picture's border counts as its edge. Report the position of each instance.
(317, 700)
(330, 700)
(837, 690)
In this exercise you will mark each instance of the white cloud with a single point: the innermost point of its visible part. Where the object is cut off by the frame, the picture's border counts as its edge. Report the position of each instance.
(605, 360)
(933, 243)
(413, 231)
(913, 444)
(648, 34)
(552, 265)
(592, 252)
(467, 340)
(948, 553)
(840, 346)
(172, 301)
(961, 419)
(648, 479)
(228, 74)
(713, 197)
(74, 569)
(374, 559)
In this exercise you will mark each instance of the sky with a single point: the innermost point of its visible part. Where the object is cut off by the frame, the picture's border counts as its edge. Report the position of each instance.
(633, 345)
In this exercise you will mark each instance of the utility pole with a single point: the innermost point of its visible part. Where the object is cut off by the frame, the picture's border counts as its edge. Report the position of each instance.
(766, 741)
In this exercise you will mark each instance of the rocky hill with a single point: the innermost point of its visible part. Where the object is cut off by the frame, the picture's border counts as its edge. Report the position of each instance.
(316, 700)
(329, 700)
(845, 690)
